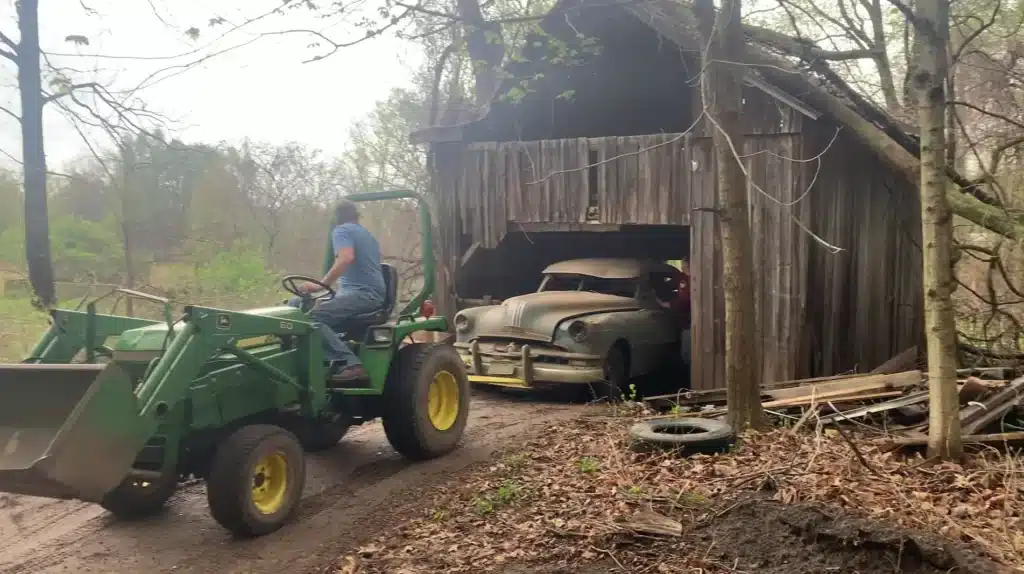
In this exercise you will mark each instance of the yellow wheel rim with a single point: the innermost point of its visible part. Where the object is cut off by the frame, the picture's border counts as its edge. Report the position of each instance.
(443, 401)
(270, 483)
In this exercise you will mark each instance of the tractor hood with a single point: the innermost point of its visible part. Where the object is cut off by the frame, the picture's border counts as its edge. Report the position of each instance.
(536, 315)
(154, 338)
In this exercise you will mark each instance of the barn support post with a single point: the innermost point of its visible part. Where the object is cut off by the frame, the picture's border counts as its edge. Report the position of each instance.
(446, 169)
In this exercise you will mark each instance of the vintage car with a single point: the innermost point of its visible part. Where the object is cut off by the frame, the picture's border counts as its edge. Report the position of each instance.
(592, 321)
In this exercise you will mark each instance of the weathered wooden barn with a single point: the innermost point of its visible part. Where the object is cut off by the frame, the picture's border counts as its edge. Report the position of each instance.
(609, 155)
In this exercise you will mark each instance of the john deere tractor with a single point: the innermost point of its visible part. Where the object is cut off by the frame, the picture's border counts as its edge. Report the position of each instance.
(117, 410)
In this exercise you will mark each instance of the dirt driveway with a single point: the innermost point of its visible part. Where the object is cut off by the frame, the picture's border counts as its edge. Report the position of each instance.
(352, 492)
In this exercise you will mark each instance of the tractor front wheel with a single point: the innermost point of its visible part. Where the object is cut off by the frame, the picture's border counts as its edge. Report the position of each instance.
(256, 480)
(427, 398)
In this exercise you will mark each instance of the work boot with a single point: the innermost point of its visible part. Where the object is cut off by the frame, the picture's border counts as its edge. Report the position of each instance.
(351, 373)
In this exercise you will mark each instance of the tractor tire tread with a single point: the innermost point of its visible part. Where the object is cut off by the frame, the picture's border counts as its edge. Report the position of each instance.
(403, 424)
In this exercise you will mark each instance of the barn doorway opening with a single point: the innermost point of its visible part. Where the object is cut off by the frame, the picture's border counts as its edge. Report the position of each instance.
(514, 268)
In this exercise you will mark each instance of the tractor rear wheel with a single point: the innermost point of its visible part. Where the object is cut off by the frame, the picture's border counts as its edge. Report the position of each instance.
(135, 498)
(427, 398)
(256, 480)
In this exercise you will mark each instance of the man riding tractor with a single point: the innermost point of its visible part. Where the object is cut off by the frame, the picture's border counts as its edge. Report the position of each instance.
(357, 272)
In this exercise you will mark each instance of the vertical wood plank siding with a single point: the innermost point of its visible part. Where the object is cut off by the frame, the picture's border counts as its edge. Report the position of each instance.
(819, 312)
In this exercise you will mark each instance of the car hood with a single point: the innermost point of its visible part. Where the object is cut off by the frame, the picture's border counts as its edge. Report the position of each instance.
(535, 316)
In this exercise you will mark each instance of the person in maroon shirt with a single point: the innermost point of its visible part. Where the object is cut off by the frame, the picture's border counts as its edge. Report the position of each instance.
(681, 303)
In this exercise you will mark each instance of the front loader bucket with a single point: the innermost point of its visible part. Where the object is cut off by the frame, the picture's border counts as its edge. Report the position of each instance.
(66, 431)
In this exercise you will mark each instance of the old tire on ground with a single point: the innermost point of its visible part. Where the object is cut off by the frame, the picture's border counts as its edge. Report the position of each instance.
(688, 433)
(256, 480)
(616, 375)
(136, 498)
(317, 436)
(426, 399)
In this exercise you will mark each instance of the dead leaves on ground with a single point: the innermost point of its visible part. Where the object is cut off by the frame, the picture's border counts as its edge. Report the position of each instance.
(566, 499)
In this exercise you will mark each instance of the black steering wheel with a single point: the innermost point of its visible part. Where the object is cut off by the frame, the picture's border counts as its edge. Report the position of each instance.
(289, 284)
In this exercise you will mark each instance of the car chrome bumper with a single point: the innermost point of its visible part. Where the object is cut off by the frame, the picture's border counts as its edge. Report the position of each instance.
(528, 366)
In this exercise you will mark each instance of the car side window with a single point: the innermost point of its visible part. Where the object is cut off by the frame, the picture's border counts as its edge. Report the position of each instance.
(561, 283)
(617, 287)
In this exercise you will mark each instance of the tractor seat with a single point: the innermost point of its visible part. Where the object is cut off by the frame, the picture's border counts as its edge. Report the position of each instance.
(355, 327)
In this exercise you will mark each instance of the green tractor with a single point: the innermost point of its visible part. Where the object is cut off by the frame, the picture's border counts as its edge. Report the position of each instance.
(118, 410)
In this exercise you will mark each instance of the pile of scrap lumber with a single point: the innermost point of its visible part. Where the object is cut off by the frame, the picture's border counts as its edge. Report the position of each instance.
(992, 405)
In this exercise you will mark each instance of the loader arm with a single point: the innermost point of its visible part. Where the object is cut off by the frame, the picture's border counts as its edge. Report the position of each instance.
(77, 429)
(70, 332)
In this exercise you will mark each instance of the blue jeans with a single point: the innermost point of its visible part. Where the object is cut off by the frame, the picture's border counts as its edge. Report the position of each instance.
(329, 316)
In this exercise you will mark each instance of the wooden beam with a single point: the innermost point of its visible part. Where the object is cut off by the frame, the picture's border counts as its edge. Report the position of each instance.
(437, 134)
(544, 227)
(998, 438)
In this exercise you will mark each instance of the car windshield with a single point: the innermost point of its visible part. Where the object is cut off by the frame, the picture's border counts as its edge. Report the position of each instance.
(565, 282)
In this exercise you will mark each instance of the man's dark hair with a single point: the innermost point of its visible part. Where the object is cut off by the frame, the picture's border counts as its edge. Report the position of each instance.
(346, 212)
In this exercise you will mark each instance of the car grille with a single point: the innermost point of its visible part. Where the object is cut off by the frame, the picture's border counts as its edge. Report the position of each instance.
(512, 349)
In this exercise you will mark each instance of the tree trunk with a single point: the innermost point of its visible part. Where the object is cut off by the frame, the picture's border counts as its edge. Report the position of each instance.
(128, 222)
(721, 90)
(486, 49)
(37, 227)
(937, 229)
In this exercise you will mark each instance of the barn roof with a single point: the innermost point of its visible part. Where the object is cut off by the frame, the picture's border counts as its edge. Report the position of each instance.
(674, 21)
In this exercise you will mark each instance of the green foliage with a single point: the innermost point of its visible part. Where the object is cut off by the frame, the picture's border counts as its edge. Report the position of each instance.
(589, 464)
(11, 204)
(551, 53)
(23, 324)
(240, 270)
(508, 492)
(83, 250)
(12, 247)
(515, 462)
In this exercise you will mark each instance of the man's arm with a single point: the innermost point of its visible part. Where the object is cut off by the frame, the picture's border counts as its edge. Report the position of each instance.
(343, 257)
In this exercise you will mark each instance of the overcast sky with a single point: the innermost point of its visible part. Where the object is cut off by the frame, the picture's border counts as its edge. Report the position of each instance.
(261, 90)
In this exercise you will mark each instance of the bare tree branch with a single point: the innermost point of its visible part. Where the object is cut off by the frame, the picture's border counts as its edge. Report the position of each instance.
(977, 32)
(988, 113)
(10, 113)
(67, 90)
(805, 48)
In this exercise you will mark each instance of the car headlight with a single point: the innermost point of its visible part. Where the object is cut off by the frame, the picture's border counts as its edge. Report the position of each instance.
(578, 331)
(461, 323)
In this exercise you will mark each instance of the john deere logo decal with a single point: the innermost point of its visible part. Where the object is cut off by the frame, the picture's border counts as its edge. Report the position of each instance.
(223, 321)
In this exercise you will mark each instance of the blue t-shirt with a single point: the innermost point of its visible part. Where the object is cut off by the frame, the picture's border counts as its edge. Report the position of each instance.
(364, 273)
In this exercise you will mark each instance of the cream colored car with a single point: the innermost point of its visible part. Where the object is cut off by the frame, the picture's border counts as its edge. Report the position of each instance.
(591, 321)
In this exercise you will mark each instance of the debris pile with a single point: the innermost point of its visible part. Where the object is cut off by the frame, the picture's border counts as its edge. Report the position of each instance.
(892, 404)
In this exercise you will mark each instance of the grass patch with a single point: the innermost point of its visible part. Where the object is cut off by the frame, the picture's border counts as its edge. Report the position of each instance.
(508, 492)
(589, 464)
(21, 325)
(516, 461)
